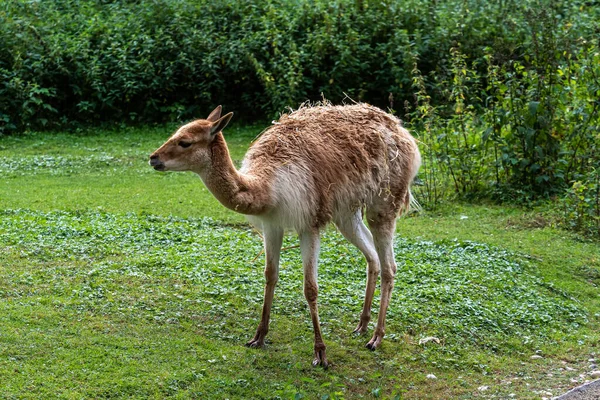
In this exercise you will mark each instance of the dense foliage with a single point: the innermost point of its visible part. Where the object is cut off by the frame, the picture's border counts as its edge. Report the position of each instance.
(504, 95)
(98, 60)
(538, 133)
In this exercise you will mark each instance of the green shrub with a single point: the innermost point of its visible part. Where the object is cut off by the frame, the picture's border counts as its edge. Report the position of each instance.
(89, 61)
(537, 134)
(581, 205)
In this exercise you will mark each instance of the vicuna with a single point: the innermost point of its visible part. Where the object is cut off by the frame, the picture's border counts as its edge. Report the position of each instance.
(314, 166)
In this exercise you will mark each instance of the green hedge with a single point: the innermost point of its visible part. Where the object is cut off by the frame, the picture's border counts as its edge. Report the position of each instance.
(70, 62)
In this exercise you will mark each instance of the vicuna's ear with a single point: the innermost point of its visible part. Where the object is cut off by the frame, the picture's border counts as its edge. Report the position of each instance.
(220, 124)
(215, 115)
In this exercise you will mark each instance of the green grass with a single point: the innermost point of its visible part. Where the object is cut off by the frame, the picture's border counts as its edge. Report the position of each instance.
(117, 281)
(105, 170)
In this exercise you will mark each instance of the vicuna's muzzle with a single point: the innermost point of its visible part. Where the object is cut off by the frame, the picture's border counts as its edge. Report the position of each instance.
(156, 163)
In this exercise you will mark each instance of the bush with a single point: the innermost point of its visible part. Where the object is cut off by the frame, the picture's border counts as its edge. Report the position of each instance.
(537, 134)
(581, 205)
(89, 61)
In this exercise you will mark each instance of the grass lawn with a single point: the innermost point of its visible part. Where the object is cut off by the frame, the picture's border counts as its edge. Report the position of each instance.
(118, 281)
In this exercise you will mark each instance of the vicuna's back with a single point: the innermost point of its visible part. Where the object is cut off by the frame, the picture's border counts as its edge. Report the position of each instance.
(331, 160)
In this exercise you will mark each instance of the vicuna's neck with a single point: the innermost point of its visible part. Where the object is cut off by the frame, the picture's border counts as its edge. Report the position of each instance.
(244, 194)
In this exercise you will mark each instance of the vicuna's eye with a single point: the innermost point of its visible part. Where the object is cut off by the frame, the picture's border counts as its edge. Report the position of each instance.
(185, 144)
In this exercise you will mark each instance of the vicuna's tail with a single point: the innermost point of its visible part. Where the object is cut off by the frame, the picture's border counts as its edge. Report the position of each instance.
(410, 203)
(413, 204)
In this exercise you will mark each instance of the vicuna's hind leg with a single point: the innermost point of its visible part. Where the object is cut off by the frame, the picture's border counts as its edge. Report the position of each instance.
(309, 248)
(382, 227)
(273, 237)
(353, 229)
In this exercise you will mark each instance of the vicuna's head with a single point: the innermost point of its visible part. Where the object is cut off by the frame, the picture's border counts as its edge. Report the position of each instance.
(188, 148)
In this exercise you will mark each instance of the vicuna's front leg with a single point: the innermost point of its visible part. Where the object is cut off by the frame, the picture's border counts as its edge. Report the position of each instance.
(309, 247)
(273, 237)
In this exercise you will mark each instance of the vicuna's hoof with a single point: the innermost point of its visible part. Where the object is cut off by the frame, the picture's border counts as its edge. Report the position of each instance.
(374, 342)
(256, 343)
(258, 340)
(360, 329)
(320, 359)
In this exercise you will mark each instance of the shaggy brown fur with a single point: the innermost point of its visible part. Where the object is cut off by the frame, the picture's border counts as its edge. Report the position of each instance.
(355, 155)
(315, 165)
